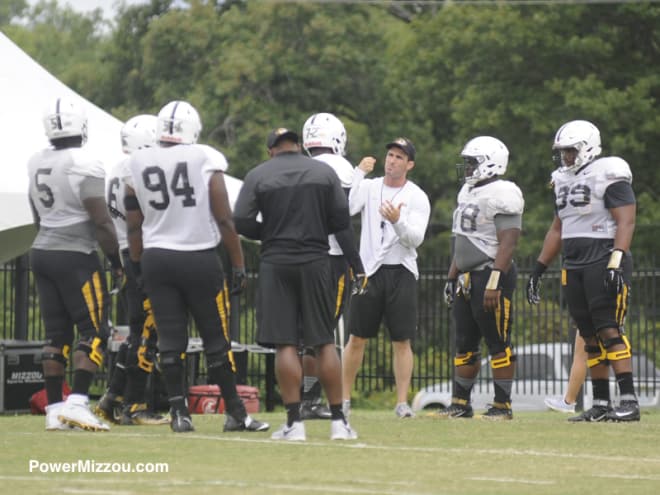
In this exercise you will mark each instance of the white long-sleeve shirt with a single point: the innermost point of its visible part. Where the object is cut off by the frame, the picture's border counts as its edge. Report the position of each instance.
(381, 242)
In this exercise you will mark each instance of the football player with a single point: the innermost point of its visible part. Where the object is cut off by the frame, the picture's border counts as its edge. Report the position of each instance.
(593, 226)
(124, 401)
(324, 139)
(177, 212)
(68, 201)
(482, 275)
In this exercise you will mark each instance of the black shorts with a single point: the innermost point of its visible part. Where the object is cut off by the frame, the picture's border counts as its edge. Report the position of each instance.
(392, 296)
(589, 304)
(179, 282)
(72, 291)
(473, 323)
(295, 305)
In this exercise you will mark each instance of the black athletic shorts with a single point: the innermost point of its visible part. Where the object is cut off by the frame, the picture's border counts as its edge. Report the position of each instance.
(178, 282)
(72, 291)
(392, 296)
(589, 304)
(473, 323)
(295, 304)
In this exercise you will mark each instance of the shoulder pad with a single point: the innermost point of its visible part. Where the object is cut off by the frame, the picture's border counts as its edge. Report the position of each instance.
(614, 168)
(214, 157)
(507, 199)
(85, 164)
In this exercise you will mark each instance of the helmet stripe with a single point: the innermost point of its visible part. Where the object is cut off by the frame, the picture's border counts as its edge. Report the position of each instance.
(176, 104)
(57, 112)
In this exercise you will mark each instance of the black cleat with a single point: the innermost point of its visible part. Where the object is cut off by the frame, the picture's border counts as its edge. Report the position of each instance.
(456, 411)
(181, 422)
(627, 410)
(594, 415)
(139, 414)
(498, 412)
(109, 407)
(314, 409)
(248, 424)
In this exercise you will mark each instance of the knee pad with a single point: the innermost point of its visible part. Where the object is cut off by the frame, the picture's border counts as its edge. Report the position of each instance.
(60, 357)
(172, 359)
(217, 360)
(504, 361)
(467, 359)
(593, 349)
(94, 349)
(617, 355)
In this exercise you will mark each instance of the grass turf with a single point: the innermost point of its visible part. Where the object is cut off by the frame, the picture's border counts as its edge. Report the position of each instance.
(539, 453)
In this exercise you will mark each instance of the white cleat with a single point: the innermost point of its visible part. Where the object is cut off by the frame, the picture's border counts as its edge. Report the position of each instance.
(341, 430)
(293, 433)
(76, 413)
(53, 422)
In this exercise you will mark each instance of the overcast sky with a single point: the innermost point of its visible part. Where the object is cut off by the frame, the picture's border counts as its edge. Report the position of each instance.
(108, 6)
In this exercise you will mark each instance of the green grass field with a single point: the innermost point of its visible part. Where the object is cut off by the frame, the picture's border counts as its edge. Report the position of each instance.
(536, 453)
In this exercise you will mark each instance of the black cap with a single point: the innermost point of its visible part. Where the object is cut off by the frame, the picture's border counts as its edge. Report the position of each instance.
(405, 144)
(278, 134)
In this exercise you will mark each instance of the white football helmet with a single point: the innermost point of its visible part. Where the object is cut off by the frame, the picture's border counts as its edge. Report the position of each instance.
(138, 132)
(324, 130)
(179, 123)
(582, 136)
(64, 117)
(485, 157)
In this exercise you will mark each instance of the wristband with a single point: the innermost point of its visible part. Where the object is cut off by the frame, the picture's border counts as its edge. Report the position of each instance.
(494, 280)
(115, 261)
(615, 259)
(539, 269)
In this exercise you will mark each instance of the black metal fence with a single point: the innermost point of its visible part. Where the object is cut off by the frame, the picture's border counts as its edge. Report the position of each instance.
(547, 322)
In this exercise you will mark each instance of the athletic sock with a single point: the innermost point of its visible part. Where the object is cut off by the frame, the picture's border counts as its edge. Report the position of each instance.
(292, 413)
(53, 386)
(82, 379)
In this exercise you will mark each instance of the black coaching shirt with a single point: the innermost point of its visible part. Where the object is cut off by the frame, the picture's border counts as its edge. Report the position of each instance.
(300, 201)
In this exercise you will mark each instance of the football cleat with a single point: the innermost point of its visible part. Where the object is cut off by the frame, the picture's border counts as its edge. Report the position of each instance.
(627, 410)
(293, 433)
(180, 421)
(595, 414)
(248, 424)
(139, 414)
(314, 409)
(455, 411)
(498, 412)
(109, 407)
(341, 430)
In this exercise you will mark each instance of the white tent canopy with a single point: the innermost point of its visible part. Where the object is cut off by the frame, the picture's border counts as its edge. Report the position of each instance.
(25, 90)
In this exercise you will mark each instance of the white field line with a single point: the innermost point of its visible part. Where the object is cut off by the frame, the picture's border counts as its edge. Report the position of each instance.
(628, 476)
(391, 448)
(169, 484)
(511, 480)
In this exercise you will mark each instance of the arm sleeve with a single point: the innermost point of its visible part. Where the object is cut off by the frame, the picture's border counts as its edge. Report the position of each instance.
(619, 194)
(92, 187)
(505, 222)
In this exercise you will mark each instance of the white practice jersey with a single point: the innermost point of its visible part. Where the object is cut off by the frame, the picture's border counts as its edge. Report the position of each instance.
(580, 202)
(172, 187)
(55, 180)
(344, 171)
(381, 242)
(474, 216)
(115, 189)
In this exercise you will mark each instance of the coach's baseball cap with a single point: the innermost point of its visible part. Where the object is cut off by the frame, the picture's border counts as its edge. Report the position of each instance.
(280, 133)
(405, 144)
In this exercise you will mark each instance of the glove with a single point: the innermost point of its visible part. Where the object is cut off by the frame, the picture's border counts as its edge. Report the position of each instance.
(450, 291)
(118, 280)
(360, 284)
(614, 281)
(534, 284)
(238, 280)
